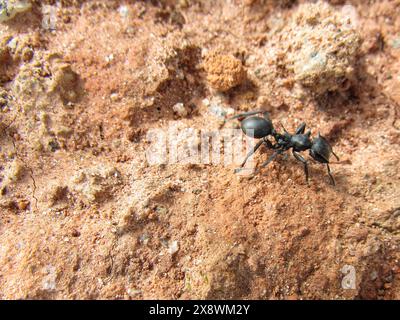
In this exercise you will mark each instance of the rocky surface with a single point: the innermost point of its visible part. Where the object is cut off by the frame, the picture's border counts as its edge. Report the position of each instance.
(84, 215)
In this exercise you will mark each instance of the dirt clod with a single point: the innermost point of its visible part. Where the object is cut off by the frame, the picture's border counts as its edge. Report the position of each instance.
(96, 184)
(224, 72)
(324, 47)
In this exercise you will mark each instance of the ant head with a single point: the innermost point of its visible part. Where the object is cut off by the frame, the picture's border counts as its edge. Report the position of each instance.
(321, 150)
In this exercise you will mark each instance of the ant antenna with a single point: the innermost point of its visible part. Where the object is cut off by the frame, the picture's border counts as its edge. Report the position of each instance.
(283, 127)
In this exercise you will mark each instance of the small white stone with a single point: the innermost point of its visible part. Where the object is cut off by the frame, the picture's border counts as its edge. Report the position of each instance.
(173, 247)
(180, 109)
(206, 102)
(114, 97)
(109, 58)
(204, 52)
(133, 292)
(123, 11)
(229, 111)
(12, 44)
(144, 239)
(49, 281)
(251, 59)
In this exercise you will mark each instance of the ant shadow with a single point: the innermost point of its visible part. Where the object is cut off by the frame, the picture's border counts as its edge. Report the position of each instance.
(355, 107)
(286, 163)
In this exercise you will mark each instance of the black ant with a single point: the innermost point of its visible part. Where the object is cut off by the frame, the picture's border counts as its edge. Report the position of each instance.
(262, 127)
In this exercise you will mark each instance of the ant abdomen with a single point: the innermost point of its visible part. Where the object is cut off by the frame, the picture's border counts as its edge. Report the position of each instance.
(257, 127)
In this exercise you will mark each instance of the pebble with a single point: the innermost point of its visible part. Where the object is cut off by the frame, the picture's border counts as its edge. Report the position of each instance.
(114, 97)
(218, 110)
(123, 11)
(387, 285)
(180, 109)
(396, 43)
(173, 247)
(22, 204)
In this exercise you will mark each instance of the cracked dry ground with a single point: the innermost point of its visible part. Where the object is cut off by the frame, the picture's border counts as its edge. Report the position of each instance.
(84, 216)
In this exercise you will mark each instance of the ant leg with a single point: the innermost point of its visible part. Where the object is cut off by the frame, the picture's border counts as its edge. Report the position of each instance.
(283, 127)
(266, 115)
(337, 158)
(302, 160)
(330, 174)
(245, 114)
(269, 144)
(259, 143)
(271, 158)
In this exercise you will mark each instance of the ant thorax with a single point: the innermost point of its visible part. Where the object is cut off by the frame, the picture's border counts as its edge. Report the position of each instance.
(282, 139)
